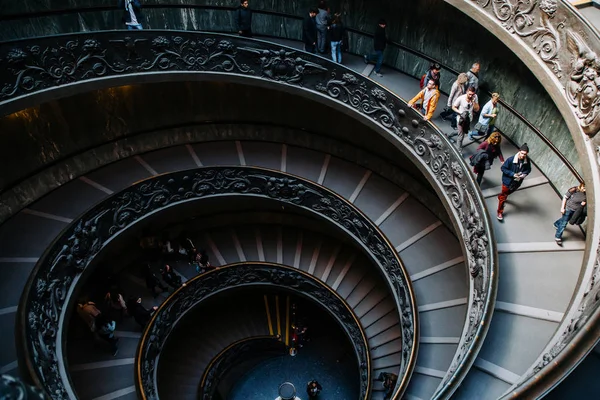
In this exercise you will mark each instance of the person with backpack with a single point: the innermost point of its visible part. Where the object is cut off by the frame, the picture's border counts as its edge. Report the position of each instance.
(132, 14)
(428, 99)
(487, 151)
(487, 119)
(432, 74)
(574, 201)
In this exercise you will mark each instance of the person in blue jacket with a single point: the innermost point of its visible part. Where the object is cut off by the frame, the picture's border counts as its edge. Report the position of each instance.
(514, 170)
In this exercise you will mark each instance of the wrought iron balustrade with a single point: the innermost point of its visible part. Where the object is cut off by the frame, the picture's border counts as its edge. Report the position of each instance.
(62, 65)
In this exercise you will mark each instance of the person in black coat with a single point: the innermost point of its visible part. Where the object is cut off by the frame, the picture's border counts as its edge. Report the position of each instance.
(170, 276)
(243, 19)
(140, 314)
(379, 43)
(152, 282)
(309, 31)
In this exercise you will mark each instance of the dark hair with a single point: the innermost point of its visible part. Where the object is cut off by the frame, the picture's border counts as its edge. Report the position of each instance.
(382, 22)
(337, 19)
(243, 1)
(471, 89)
(323, 5)
(435, 66)
(313, 11)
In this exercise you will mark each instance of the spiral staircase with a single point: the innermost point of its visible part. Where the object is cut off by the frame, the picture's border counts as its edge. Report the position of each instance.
(536, 279)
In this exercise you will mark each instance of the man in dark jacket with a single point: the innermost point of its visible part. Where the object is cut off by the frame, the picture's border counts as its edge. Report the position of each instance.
(132, 13)
(514, 170)
(309, 31)
(379, 42)
(243, 19)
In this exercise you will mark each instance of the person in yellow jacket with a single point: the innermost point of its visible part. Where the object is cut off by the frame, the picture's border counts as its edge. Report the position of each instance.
(428, 99)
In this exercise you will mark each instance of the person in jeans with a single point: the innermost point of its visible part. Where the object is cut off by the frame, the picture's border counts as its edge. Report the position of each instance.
(457, 90)
(485, 155)
(243, 19)
(132, 13)
(428, 99)
(379, 43)
(573, 200)
(514, 170)
(487, 118)
(309, 31)
(463, 107)
(322, 25)
(473, 77)
(337, 36)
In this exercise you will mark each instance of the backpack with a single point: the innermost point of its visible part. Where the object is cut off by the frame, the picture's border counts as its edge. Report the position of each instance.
(422, 83)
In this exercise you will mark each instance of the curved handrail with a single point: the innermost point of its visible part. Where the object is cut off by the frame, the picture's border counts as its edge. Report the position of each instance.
(55, 277)
(62, 65)
(399, 45)
(230, 354)
(205, 285)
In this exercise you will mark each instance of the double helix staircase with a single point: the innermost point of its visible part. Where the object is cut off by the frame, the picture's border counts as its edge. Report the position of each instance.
(409, 225)
(536, 278)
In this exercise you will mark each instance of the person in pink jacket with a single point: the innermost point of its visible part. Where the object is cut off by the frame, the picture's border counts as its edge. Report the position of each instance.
(428, 99)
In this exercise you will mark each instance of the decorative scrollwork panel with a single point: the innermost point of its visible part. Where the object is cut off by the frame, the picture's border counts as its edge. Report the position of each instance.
(47, 64)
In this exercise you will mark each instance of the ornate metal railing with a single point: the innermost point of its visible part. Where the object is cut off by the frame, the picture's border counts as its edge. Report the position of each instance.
(63, 65)
(47, 295)
(232, 355)
(205, 285)
(562, 49)
(30, 15)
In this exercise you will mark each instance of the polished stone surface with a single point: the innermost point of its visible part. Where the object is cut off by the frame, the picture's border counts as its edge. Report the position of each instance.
(429, 26)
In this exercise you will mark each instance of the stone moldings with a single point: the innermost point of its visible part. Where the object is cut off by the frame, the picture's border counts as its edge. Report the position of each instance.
(243, 274)
(568, 46)
(49, 63)
(82, 241)
(547, 26)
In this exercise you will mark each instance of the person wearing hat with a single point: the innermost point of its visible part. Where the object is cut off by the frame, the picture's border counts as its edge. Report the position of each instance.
(514, 170)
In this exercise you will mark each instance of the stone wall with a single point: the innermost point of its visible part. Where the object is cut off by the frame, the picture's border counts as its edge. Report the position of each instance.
(429, 26)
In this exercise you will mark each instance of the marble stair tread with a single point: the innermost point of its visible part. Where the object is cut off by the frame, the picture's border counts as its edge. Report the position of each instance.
(351, 279)
(391, 360)
(92, 350)
(119, 175)
(361, 291)
(112, 379)
(14, 277)
(176, 158)
(371, 300)
(384, 323)
(424, 386)
(384, 350)
(385, 336)
(378, 312)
